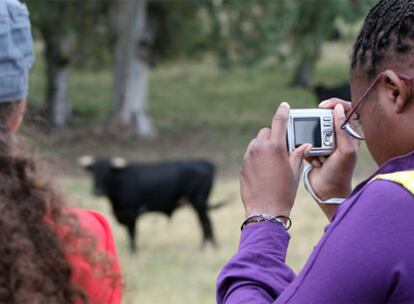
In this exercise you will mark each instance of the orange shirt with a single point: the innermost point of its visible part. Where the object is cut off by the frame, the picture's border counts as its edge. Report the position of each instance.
(99, 290)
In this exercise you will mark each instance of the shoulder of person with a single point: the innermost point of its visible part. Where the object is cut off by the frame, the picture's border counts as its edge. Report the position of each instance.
(97, 224)
(384, 197)
(394, 187)
(98, 289)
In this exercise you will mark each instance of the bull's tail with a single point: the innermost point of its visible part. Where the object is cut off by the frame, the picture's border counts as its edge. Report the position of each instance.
(230, 198)
(217, 205)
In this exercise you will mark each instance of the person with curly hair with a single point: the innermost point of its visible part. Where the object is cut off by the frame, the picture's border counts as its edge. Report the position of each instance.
(49, 252)
(366, 252)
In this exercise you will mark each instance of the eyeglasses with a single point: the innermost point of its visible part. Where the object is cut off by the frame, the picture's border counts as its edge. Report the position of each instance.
(346, 126)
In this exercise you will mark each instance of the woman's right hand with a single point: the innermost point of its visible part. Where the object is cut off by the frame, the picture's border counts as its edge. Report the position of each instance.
(332, 176)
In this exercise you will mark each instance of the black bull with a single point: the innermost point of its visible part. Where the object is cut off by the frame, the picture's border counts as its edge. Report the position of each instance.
(136, 188)
(341, 91)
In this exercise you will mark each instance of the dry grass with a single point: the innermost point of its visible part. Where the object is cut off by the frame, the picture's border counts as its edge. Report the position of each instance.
(170, 267)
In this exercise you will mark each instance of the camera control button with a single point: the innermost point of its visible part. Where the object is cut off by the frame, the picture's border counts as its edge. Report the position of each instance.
(327, 124)
(327, 119)
(328, 138)
(328, 142)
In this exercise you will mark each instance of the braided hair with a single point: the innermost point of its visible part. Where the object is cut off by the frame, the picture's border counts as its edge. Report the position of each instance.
(389, 26)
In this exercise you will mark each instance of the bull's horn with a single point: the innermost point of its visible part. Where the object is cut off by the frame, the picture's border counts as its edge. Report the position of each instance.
(119, 162)
(86, 161)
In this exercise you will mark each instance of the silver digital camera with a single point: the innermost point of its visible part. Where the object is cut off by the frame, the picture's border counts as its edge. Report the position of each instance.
(311, 126)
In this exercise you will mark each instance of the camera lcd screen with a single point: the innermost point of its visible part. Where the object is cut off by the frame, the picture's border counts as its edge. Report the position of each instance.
(307, 131)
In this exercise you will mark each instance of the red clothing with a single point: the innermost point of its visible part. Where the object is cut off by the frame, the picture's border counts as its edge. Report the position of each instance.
(98, 289)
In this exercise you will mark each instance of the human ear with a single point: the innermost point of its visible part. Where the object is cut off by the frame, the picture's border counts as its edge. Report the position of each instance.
(397, 90)
(16, 119)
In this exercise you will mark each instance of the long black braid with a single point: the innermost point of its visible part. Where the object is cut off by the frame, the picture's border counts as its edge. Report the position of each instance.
(389, 25)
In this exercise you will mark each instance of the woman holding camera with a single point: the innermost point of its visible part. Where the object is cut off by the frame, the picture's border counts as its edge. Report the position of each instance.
(365, 255)
(50, 253)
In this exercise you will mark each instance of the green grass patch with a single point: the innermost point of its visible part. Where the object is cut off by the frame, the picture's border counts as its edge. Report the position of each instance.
(198, 109)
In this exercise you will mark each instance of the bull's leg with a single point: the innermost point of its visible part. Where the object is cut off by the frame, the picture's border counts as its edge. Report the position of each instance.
(199, 201)
(131, 233)
(206, 226)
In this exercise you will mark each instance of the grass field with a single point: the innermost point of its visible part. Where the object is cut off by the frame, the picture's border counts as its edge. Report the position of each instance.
(170, 267)
(199, 111)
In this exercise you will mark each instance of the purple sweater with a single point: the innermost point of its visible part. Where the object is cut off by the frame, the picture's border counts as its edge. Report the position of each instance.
(365, 256)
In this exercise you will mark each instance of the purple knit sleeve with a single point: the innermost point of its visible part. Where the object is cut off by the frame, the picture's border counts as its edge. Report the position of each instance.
(258, 272)
(365, 256)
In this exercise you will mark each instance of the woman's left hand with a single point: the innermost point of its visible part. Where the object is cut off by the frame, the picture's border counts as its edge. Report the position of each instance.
(269, 176)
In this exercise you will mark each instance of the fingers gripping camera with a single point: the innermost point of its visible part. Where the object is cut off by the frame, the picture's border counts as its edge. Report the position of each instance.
(312, 126)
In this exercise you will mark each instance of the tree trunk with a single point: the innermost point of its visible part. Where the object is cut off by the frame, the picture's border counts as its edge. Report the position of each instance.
(213, 12)
(131, 69)
(304, 73)
(57, 106)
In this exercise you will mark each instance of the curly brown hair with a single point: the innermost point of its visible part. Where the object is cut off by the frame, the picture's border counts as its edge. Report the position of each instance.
(37, 232)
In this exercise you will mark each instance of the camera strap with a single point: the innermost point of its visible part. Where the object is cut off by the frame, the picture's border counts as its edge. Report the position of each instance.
(332, 201)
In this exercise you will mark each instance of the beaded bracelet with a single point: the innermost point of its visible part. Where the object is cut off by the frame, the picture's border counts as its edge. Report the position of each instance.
(285, 221)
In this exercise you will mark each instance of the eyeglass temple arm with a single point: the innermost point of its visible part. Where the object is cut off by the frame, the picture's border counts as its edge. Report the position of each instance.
(378, 79)
(348, 129)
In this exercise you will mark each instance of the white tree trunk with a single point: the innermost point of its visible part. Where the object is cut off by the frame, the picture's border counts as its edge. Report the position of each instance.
(58, 109)
(131, 70)
(136, 99)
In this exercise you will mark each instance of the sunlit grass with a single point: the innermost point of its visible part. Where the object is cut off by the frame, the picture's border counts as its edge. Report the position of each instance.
(170, 267)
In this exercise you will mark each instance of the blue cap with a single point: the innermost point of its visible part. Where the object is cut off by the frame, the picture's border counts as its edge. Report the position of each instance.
(16, 50)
